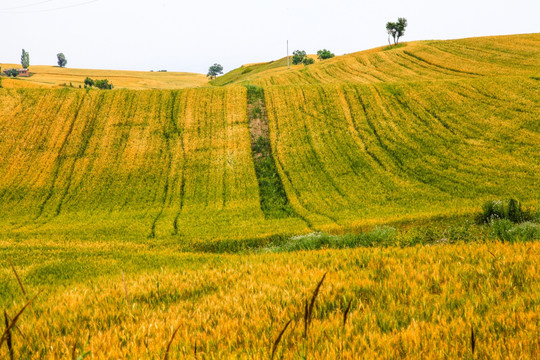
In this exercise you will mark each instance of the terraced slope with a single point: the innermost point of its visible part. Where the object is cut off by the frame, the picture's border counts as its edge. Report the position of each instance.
(429, 129)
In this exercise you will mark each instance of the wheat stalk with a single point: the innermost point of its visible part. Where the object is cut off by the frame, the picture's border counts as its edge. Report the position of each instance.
(278, 339)
(170, 342)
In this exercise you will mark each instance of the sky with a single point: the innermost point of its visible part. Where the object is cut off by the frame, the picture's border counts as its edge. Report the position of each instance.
(192, 35)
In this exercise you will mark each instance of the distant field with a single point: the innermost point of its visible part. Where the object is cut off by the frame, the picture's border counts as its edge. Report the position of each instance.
(53, 77)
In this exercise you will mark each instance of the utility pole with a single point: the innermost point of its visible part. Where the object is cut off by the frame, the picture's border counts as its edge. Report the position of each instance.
(288, 54)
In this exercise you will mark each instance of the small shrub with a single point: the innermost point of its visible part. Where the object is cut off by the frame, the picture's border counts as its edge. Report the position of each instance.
(11, 72)
(104, 84)
(325, 54)
(307, 61)
(509, 210)
(88, 82)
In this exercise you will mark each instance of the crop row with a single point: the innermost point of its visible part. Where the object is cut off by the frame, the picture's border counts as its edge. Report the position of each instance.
(152, 163)
(353, 154)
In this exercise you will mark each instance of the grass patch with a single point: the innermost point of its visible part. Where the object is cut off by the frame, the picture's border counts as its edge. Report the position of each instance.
(273, 199)
(392, 47)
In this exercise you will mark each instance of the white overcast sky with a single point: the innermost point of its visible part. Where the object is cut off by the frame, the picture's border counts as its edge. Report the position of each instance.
(192, 35)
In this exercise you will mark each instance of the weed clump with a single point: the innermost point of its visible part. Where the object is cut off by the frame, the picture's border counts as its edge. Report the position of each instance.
(510, 210)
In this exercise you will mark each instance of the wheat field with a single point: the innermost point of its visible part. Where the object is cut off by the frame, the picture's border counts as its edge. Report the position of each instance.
(134, 223)
(56, 77)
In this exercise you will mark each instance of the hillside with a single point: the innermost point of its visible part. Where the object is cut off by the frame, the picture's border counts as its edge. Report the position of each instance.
(56, 77)
(351, 150)
(513, 55)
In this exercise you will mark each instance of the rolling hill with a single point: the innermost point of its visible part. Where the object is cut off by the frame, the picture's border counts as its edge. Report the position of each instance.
(428, 129)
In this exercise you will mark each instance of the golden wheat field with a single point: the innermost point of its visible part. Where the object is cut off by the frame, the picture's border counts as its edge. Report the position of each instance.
(423, 302)
(56, 77)
(329, 211)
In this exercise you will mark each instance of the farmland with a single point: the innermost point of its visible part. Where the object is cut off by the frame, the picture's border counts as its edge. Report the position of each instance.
(498, 56)
(56, 77)
(173, 203)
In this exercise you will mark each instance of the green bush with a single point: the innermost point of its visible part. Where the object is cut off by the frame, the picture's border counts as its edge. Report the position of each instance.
(307, 61)
(11, 72)
(88, 82)
(509, 210)
(104, 84)
(298, 56)
(325, 54)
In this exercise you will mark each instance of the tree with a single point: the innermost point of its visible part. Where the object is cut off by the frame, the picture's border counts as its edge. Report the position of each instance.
(325, 54)
(298, 56)
(214, 71)
(396, 29)
(25, 59)
(61, 60)
(103, 84)
(88, 82)
(307, 61)
(11, 72)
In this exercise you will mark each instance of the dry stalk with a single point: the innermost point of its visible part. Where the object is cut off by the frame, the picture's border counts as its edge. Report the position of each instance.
(9, 339)
(309, 309)
(170, 342)
(346, 313)
(14, 321)
(473, 340)
(27, 299)
(18, 280)
(278, 339)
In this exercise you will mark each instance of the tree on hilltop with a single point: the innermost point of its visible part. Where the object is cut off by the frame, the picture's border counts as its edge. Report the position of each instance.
(214, 71)
(25, 59)
(325, 54)
(61, 59)
(396, 29)
(298, 56)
